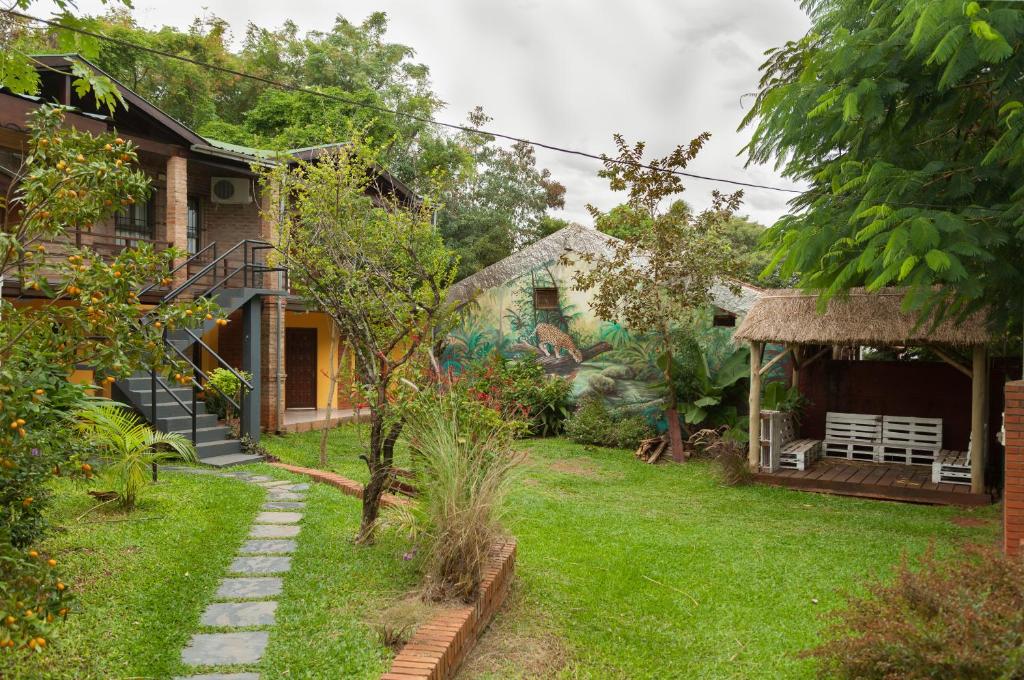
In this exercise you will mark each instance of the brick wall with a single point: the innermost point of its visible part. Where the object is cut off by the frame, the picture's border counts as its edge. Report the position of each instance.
(1013, 497)
(226, 224)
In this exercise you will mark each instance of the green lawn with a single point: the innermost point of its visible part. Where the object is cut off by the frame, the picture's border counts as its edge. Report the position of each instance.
(142, 581)
(635, 571)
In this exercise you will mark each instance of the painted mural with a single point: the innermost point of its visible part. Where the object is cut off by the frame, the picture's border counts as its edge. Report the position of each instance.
(568, 339)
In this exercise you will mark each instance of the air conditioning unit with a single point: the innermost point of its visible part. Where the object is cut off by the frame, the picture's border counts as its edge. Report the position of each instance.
(234, 190)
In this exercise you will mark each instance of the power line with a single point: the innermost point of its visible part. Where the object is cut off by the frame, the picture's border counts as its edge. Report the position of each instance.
(383, 109)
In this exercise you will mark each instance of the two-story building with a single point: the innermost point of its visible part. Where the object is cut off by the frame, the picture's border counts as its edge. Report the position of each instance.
(205, 201)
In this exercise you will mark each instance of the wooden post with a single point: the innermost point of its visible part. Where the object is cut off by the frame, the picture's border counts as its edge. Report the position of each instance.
(979, 388)
(754, 430)
(795, 376)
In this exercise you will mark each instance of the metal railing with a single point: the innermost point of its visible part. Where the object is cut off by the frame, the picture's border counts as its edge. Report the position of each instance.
(208, 261)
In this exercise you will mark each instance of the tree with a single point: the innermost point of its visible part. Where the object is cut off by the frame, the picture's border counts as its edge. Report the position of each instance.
(500, 205)
(659, 278)
(88, 312)
(380, 270)
(906, 123)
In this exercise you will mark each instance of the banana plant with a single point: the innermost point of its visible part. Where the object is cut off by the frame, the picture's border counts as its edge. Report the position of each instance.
(710, 402)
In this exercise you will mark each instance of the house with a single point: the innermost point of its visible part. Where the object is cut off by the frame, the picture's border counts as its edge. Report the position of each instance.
(526, 306)
(207, 203)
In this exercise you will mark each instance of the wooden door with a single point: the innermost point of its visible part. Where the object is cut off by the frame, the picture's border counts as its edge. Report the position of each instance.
(300, 366)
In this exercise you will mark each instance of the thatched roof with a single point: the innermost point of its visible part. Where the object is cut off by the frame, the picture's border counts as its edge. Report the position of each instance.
(577, 239)
(861, 318)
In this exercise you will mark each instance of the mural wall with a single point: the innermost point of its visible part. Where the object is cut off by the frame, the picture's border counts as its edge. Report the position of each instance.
(599, 357)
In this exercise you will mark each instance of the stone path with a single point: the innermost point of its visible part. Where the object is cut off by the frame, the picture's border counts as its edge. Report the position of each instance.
(238, 622)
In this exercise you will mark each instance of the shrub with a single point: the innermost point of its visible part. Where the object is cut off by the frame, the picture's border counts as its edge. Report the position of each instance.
(223, 382)
(727, 453)
(521, 389)
(594, 423)
(129, 446)
(948, 618)
(463, 464)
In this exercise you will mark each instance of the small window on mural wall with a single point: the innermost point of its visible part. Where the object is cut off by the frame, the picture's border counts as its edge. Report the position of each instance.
(725, 319)
(545, 298)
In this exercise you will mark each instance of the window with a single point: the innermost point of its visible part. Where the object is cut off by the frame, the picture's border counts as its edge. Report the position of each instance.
(195, 226)
(134, 222)
(545, 298)
(725, 319)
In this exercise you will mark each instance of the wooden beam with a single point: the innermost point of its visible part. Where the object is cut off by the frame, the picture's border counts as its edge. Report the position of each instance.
(795, 376)
(951, 361)
(816, 357)
(754, 427)
(775, 359)
(979, 386)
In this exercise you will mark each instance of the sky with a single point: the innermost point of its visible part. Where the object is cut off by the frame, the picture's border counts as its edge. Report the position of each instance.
(571, 73)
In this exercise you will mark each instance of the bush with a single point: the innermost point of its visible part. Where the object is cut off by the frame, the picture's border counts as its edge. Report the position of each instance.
(726, 452)
(594, 423)
(223, 382)
(521, 389)
(463, 461)
(949, 618)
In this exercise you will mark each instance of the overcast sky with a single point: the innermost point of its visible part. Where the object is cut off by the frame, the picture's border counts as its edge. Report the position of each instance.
(571, 72)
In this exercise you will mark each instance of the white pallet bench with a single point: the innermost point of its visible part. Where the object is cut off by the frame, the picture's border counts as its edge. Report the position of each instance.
(854, 436)
(953, 467)
(779, 446)
(910, 440)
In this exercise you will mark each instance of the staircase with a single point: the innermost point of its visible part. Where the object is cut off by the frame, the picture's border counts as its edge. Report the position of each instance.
(177, 408)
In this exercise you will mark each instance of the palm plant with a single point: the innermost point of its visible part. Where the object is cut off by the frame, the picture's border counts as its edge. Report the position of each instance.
(128, 446)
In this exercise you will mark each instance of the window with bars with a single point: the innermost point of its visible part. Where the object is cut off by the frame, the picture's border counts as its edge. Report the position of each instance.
(545, 298)
(195, 226)
(134, 222)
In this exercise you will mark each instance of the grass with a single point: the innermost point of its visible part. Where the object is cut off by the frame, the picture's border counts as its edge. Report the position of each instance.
(634, 571)
(140, 580)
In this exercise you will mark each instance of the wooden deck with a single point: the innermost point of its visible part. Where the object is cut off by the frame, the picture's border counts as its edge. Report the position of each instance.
(886, 481)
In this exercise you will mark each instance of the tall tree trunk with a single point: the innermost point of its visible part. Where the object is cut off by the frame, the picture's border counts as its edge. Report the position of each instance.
(379, 463)
(675, 433)
(331, 393)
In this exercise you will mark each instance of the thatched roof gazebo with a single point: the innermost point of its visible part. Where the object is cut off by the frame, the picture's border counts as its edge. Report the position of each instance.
(792, 318)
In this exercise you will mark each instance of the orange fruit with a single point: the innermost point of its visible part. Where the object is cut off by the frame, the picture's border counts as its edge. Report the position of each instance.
(52, 562)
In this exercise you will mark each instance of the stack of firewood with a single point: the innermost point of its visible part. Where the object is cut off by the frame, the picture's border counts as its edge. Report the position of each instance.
(651, 449)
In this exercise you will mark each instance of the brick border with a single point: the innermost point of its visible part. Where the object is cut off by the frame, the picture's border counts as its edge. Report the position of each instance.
(440, 645)
(344, 484)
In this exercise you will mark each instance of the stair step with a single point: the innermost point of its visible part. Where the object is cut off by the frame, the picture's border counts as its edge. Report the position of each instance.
(208, 434)
(217, 448)
(162, 397)
(231, 459)
(171, 409)
(183, 423)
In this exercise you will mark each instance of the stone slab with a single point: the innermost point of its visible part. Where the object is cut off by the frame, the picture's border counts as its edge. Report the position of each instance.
(274, 531)
(260, 565)
(301, 486)
(285, 496)
(283, 505)
(275, 483)
(223, 649)
(278, 517)
(256, 546)
(260, 478)
(220, 676)
(248, 587)
(239, 614)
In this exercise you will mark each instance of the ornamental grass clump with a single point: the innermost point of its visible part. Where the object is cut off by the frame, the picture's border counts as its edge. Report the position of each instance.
(464, 462)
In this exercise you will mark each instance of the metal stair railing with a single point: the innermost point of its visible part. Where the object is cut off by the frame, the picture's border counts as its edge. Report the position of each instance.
(248, 269)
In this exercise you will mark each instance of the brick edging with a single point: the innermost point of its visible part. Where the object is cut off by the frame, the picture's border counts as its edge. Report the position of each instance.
(344, 484)
(440, 645)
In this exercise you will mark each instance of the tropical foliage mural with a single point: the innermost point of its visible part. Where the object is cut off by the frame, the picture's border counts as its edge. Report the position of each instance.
(601, 358)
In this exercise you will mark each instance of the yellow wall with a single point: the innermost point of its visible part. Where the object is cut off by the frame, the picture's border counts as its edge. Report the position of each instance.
(322, 323)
